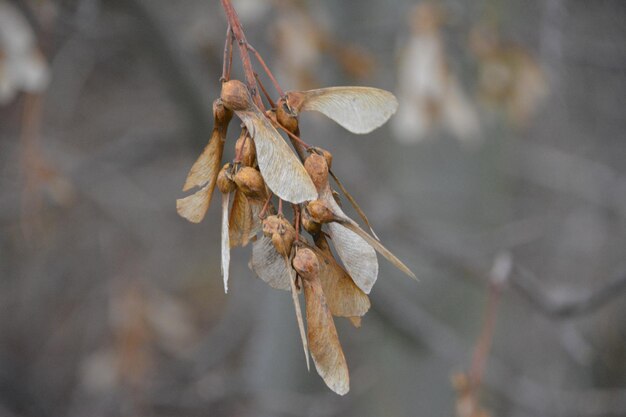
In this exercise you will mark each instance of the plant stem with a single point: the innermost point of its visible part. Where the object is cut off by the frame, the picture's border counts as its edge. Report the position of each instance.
(228, 55)
(242, 43)
(267, 70)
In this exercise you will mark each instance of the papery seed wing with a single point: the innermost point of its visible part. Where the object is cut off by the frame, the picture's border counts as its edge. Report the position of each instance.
(357, 255)
(269, 265)
(343, 296)
(208, 165)
(350, 224)
(352, 201)
(225, 241)
(326, 351)
(194, 206)
(296, 305)
(282, 171)
(357, 109)
(356, 321)
(243, 224)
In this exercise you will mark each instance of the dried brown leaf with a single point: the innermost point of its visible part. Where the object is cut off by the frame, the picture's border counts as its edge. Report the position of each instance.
(357, 109)
(225, 241)
(194, 206)
(282, 171)
(326, 351)
(269, 265)
(344, 297)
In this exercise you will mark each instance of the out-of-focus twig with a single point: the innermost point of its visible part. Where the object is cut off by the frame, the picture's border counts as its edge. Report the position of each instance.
(524, 282)
(500, 272)
(591, 300)
(571, 174)
(404, 316)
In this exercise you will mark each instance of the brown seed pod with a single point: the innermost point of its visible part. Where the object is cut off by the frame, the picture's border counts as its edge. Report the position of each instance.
(327, 156)
(295, 100)
(250, 182)
(309, 224)
(221, 115)
(317, 169)
(282, 233)
(284, 242)
(248, 153)
(270, 225)
(285, 116)
(235, 95)
(306, 263)
(225, 182)
(320, 212)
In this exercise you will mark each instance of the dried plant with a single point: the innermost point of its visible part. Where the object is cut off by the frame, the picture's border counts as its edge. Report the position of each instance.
(431, 95)
(509, 77)
(266, 170)
(22, 65)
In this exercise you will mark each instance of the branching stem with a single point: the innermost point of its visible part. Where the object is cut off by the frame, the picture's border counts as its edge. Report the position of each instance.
(228, 55)
(266, 69)
(240, 37)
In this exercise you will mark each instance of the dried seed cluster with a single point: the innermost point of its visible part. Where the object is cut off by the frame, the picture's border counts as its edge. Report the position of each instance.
(294, 254)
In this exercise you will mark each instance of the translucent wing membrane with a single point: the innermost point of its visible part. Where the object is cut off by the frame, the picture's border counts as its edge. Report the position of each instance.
(225, 241)
(282, 171)
(326, 351)
(357, 255)
(351, 225)
(343, 296)
(357, 109)
(269, 265)
(194, 206)
(204, 171)
(298, 309)
(208, 164)
(244, 219)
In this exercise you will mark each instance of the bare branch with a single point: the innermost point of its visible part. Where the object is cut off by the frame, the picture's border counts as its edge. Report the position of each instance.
(527, 285)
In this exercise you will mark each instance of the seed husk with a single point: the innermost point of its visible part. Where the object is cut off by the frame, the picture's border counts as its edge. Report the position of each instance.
(235, 95)
(225, 182)
(320, 212)
(250, 182)
(281, 232)
(248, 153)
(317, 168)
(306, 263)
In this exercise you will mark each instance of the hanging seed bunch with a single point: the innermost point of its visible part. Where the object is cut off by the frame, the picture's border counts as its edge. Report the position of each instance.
(267, 178)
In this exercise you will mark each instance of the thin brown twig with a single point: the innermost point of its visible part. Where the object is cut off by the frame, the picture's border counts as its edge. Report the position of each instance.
(295, 137)
(485, 340)
(500, 273)
(296, 210)
(242, 43)
(228, 55)
(265, 206)
(265, 93)
(266, 69)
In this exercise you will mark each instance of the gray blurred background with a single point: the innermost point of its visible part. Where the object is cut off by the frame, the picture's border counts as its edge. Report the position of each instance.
(112, 305)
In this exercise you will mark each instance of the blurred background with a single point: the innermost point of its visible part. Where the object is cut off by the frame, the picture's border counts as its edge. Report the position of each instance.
(501, 182)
